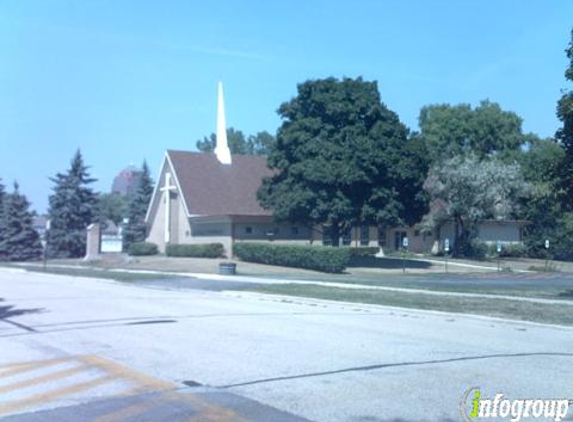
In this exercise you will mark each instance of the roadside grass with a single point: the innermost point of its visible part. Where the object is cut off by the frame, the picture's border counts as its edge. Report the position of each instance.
(97, 273)
(502, 308)
(431, 283)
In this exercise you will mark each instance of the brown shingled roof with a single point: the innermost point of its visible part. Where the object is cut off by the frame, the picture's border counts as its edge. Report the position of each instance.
(212, 188)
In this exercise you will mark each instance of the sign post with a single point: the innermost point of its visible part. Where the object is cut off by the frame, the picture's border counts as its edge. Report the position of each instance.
(446, 251)
(546, 255)
(404, 250)
(498, 256)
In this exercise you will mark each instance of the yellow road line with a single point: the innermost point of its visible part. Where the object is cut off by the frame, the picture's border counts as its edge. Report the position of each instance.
(123, 372)
(52, 395)
(211, 412)
(45, 378)
(126, 412)
(18, 368)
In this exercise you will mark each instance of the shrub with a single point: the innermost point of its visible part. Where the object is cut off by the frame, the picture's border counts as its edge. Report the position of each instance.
(320, 258)
(364, 251)
(142, 248)
(206, 250)
(473, 249)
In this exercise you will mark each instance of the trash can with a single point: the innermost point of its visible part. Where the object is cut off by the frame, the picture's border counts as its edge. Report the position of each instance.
(227, 268)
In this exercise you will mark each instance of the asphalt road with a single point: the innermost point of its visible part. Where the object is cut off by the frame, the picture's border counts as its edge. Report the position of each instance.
(82, 349)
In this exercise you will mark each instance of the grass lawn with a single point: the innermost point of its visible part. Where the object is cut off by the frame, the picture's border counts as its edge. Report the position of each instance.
(434, 283)
(503, 308)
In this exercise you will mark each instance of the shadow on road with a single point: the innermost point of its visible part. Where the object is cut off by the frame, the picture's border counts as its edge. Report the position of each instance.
(10, 311)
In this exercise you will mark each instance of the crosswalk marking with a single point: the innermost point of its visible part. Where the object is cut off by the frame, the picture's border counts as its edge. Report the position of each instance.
(45, 378)
(52, 395)
(71, 376)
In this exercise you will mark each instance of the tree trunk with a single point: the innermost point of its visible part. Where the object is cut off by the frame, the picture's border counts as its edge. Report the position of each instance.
(335, 233)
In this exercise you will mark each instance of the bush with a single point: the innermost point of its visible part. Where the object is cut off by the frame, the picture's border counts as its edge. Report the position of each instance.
(206, 250)
(364, 251)
(319, 258)
(473, 249)
(142, 248)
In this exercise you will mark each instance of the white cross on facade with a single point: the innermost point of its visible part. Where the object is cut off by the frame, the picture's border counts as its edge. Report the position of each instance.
(167, 189)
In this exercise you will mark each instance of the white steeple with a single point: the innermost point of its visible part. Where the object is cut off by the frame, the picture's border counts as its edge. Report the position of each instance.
(222, 150)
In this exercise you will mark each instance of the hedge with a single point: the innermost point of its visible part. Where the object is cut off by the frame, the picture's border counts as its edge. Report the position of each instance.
(142, 248)
(205, 250)
(319, 258)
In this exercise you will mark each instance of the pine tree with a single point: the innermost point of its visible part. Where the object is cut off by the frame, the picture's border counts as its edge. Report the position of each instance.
(20, 241)
(136, 229)
(72, 209)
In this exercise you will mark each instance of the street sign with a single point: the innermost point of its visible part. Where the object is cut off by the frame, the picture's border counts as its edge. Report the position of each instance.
(447, 244)
(498, 246)
(546, 243)
(405, 242)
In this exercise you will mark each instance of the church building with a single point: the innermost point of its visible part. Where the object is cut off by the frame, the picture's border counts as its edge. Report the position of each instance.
(205, 198)
(212, 197)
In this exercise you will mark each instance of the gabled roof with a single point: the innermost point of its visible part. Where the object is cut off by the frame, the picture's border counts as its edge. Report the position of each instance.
(211, 188)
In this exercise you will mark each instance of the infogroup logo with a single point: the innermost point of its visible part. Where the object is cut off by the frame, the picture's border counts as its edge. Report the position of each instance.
(474, 406)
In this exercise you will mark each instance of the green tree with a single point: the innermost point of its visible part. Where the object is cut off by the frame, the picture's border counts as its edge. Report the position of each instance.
(466, 190)
(449, 130)
(341, 158)
(260, 143)
(72, 209)
(565, 133)
(235, 139)
(136, 230)
(20, 242)
(112, 206)
(239, 144)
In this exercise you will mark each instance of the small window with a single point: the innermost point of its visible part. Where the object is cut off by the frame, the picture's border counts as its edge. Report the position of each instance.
(248, 230)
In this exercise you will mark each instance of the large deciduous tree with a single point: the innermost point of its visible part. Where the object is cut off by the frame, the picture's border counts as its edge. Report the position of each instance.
(72, 209)
(20, 242)
(565, 133)
(466, 190)
(238, 143)
(342, 158)
(136, 229)
(451, 130)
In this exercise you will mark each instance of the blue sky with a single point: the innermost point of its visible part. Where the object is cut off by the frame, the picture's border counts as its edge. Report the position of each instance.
(125, 80)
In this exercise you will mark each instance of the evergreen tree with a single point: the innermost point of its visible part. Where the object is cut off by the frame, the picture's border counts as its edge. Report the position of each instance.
(20, 241)
(565, 133)
(72, 209)
(136, 229)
